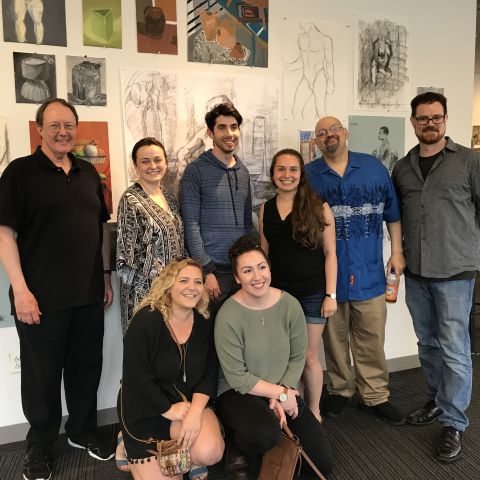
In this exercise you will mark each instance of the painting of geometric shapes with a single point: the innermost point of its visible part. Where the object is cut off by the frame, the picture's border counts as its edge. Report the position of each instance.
(157, 26)
(91, 145)
(171, 107)
(86, 81)
(382, 137)
(232, 32)
(381, 62)
(4, 147)
(34, 21)
(102, 23)
(35, 79)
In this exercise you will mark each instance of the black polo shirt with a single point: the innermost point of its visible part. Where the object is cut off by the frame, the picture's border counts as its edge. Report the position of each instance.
(58, 219)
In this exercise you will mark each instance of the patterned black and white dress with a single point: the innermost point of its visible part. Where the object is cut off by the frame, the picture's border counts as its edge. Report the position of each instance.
(148, 239)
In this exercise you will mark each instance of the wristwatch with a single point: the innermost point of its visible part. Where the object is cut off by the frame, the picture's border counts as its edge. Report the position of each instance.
(284, 395)
(333, 296)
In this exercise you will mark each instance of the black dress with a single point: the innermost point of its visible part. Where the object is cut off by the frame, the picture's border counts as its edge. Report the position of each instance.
(152, 371)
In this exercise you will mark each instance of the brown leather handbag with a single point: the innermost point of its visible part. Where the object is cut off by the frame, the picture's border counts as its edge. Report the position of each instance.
(284, 459)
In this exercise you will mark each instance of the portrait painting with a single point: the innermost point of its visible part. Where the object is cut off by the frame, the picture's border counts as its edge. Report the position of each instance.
(157, 26)
(231, 32)
(35, 79)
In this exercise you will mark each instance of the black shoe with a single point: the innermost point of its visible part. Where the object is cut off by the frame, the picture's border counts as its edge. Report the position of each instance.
(38, 463)
(389, 413)
(96, 445)
(236, 464)
(425, 415)
(449, 447)
(334, 405)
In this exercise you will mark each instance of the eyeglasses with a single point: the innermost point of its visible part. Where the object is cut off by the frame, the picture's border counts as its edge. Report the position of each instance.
(324, 132)
(55, 127)
(436, 120)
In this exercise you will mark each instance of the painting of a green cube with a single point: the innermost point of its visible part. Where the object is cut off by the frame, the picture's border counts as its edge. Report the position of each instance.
(102, 23)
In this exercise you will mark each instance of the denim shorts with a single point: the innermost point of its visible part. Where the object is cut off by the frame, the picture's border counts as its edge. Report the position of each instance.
(311, 306)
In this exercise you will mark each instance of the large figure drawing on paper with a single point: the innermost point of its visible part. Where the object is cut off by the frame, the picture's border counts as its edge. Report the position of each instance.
(382, 64)
(171, 107)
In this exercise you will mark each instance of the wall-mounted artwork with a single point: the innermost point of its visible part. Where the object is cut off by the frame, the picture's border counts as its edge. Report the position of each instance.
(429, 89)
(157, 26)
(86, 81)
(476, 137)
(34, 21)
(4, 147)
(102, 23)
(35, 79)
(315, 70)
(306, 145)
(381, 65)
(172, 107)
(382, 137)
(232, 32)
(91, 145)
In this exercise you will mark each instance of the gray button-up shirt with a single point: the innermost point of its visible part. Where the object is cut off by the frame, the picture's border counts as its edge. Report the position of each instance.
(441, 214)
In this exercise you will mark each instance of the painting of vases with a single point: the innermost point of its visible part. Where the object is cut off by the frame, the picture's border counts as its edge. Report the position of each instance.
(35, 79)
(86, 80)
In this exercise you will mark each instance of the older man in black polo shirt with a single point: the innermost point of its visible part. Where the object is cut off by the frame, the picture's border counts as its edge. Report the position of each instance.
(53, 249)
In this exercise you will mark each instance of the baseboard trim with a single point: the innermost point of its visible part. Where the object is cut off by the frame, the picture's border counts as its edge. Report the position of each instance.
(18, 432)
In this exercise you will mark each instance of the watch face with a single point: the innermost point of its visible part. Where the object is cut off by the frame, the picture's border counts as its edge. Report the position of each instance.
(333, 296)
(283, 397)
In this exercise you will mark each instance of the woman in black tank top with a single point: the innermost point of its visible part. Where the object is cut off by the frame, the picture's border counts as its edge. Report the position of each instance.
(297, 230)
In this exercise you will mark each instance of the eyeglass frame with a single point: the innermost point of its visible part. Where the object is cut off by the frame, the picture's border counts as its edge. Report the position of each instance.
(424, 117)
(322, 133)
(55, 127)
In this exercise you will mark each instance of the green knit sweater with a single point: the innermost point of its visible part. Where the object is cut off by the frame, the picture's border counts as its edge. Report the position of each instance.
(255, 345)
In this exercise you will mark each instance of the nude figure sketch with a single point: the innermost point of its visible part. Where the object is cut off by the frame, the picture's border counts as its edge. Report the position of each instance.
(35, 9)
(384, 152)
(382, 64)
(315, 61)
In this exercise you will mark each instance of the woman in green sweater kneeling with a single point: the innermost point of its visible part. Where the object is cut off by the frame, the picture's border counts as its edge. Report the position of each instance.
(261, 339)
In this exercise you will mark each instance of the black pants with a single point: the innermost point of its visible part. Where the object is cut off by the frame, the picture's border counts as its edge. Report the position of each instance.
(255, 429)
(228, 286)
(68, 342)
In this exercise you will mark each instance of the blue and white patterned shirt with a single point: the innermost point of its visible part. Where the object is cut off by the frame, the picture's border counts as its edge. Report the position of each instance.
(360, 200)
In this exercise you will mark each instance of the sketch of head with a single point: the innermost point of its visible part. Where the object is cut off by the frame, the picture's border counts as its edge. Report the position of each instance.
(145, 142)
(383, 133)
(216, 100)
(226, 109)
(428, 97)
(331, 136)
(41, 110)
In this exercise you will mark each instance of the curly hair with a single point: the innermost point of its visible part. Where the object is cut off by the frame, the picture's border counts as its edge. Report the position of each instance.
(308, 219)
(245, 244)
(159, 297)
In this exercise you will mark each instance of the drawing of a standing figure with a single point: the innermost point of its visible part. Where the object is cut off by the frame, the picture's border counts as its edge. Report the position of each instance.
(35, 10)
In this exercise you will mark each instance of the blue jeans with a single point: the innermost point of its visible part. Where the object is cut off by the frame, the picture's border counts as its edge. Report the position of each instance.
(440, 312)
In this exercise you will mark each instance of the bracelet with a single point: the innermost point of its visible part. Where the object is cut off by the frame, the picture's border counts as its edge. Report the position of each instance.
(107, 272)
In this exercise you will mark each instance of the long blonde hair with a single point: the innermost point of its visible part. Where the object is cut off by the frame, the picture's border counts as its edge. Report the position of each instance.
(158, 297)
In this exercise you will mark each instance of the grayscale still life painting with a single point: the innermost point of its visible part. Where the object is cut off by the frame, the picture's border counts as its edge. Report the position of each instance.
(35, 79)
(86, 81)
(34, 21)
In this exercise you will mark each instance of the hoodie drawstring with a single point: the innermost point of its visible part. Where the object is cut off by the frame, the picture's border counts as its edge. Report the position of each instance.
(231, 192)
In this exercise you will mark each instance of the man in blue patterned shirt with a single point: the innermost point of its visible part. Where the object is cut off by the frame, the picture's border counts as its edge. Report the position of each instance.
(359, 190)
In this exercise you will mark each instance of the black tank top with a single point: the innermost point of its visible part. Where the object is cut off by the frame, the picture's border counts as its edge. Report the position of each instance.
(296, 269)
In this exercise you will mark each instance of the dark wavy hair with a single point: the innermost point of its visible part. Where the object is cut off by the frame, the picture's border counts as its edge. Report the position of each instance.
(308, 219)
(245, 244)
(145, 142)
(226, 109)
(428, 97)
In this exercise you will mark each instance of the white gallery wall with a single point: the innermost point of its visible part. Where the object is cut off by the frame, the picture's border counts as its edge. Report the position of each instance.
(441, 38)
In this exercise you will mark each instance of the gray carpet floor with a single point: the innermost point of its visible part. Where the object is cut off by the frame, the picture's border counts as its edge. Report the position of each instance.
(365, 447)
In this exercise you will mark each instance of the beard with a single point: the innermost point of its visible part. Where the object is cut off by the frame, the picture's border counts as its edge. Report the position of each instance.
(426, 136)
(332, 147)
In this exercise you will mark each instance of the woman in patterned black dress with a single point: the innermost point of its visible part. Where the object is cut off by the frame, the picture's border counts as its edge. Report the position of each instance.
(150, 229)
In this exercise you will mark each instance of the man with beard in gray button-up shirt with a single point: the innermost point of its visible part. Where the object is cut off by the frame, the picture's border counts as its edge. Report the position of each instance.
(438, 184)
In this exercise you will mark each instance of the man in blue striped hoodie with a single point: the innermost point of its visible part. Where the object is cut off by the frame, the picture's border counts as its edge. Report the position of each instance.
(216, 202)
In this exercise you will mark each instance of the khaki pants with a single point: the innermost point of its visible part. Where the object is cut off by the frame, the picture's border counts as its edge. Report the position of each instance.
(358, 326)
